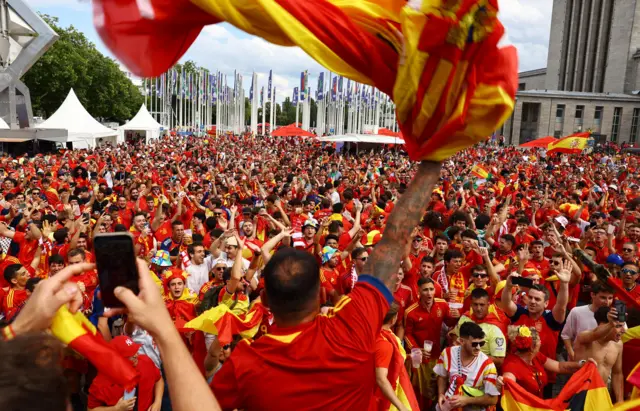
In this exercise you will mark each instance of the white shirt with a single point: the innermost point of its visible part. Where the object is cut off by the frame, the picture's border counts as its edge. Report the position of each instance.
(335, 197)
(579, 319)
(199, 274)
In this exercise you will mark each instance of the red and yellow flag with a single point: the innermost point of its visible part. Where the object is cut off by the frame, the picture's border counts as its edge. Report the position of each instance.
(584, 391)
(221, 321)
(573, 144)
(439, 60)
(480, 171)
(77, 332)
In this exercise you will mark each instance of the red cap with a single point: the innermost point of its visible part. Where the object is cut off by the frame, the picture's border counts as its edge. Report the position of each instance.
(125, 346)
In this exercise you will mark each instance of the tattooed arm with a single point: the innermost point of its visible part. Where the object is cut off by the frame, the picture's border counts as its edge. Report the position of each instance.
(386, 256)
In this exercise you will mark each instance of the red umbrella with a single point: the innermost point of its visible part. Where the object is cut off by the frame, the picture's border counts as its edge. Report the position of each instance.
(295, 125)
(289, 131)
(540, 142)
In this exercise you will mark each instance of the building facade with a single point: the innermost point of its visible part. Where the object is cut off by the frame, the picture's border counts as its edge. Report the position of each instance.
(592, 78)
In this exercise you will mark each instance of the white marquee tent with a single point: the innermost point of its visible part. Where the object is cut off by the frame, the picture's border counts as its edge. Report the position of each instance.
(83, 129)
(141, 122)
(362, 138)
(3, 124)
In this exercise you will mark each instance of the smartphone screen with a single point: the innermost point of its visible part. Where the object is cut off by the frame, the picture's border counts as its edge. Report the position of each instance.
(116, 264)
(523, 282)
(129, 394)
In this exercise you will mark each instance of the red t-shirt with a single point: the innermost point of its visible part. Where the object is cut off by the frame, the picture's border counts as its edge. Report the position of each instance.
(27, 248)
(403, 296)
(532, 378)
(104, 393)
(323, 364)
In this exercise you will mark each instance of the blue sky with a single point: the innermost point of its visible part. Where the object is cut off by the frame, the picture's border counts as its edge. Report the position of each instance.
(222, 47)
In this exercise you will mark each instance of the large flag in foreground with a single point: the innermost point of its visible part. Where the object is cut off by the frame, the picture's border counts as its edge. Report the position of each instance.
(77, 332)
(439, 60)
(584, 391)
(573, 144)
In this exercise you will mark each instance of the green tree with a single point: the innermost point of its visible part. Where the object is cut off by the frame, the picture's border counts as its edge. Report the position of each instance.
(74, 62)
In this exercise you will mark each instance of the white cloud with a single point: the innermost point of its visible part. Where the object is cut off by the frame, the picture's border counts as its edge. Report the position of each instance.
(527, 24)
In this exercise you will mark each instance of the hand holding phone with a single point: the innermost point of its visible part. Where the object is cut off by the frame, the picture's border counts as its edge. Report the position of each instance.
(116, 265)
(522, 282)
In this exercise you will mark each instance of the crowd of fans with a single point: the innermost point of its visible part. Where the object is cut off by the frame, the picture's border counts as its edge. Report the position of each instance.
(376, 290)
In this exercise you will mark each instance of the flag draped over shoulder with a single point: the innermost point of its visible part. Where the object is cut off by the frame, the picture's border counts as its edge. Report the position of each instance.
(77, 332)
(439, 60)
(584, 391)
(573, 144)
(225, 324)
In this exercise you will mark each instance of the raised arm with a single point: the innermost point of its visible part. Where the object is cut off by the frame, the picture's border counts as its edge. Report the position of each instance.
(560, 308)
(385, 258)
(508, 305)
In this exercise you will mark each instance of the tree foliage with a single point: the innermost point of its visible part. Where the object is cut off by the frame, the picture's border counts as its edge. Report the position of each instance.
(74, 62)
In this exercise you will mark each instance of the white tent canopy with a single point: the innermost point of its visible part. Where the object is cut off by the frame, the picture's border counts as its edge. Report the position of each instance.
(73, 117)
(3, 124)
(142, 122)
(362, 138)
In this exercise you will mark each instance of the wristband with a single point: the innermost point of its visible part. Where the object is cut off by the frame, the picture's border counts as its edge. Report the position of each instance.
(8, 333)
(582, 362)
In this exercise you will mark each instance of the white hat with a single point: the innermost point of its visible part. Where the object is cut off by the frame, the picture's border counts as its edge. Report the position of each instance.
(613, 187)
(562, 220)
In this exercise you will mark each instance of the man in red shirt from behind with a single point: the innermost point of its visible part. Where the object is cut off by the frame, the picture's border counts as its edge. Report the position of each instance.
(104, 393)
(311, 361)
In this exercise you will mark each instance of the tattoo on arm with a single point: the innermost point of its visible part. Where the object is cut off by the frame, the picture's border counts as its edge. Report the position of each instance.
(385, 259)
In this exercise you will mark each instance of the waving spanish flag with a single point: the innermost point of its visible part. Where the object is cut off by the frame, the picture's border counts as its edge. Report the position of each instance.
(439, 60)
(480, 171)
(79, 334)
(573, 144)
(225, 324)
(584, 391)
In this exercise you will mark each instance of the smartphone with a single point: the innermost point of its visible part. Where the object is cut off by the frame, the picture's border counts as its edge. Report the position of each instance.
(522, 282)
(621, 308)
(22, 206)
(611, 229)
(129, 394)
(116, 265)
(86, 217)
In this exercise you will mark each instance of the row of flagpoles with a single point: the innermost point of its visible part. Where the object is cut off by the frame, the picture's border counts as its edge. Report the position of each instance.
(187, 101)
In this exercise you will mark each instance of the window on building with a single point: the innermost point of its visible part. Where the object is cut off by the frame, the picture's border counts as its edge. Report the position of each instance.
(634, 125)
(522, 86)
(559, 119)
(597, 120)
(615, 128)
(525, 114)
(579, 118)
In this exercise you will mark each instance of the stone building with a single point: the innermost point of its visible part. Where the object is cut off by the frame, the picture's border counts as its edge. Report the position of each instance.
(592, 78)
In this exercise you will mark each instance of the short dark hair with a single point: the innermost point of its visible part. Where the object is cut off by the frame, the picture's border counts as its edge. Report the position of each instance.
(441, 237)
(598, 287)
(331, 237)
(56, 259)
(292, 283)
(451, 254)
(479, 293)
(509, 238)
(469, 234)
(428, 259)
(76, 251)
(191, 248)
(542, 289)
(11, 272)
(537, 242)
(425, 280)
(601, 315)
(177, 223)
(478, 267)
(357, 252)
(471, 329)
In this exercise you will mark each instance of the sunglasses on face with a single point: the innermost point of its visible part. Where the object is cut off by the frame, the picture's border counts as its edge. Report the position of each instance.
(556, 262)
(417, 240)
(226, 347)
(363, 258)
(477, 344)
(627, 250)
(627, 271)
(478, 275)
(218, 268)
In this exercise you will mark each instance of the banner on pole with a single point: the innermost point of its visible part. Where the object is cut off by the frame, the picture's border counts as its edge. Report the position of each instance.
(295, 95)
(334, 89)
(269, 89)
(320, 90)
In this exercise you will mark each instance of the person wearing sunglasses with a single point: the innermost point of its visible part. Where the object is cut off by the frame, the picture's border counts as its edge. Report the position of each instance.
(536, 314)
(467, 365)
(630, 252)
(528, 366)
(629, 278)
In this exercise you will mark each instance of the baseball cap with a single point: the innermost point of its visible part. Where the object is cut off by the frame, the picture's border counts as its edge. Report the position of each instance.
(125, 346)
